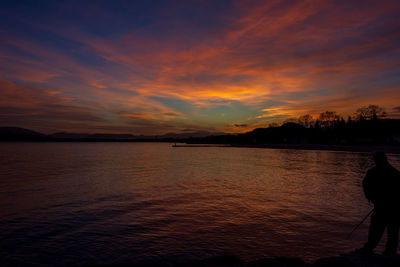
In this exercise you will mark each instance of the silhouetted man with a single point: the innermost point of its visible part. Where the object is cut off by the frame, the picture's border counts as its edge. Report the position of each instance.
(382, 187)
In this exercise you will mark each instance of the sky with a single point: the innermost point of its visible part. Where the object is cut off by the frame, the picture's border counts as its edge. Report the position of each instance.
(154, 67)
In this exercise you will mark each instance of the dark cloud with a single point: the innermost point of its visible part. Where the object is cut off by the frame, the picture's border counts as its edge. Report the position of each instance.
(25, 104)
(170, 114)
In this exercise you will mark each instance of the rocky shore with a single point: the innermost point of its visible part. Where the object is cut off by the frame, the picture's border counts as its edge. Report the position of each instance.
(349, 148)
(345, 260)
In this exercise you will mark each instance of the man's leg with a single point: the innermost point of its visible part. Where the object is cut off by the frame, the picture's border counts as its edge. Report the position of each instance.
(393, 238)
(376, 229)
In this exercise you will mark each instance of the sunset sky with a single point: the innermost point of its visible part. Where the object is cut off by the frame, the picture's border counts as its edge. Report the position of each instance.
(152, 67)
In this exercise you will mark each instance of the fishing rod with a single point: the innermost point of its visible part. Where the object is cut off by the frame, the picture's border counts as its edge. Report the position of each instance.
(358, 225)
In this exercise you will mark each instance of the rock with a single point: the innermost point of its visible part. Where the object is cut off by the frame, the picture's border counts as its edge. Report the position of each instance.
(277, 262)
(355, 260)
(334, 261)
(222, 261)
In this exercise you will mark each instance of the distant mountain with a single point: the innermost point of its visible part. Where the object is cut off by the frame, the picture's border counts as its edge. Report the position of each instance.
(64, 135)
(198, 134)
(20, 134)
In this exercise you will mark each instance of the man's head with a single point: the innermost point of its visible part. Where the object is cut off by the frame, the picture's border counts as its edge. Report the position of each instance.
(380, 158)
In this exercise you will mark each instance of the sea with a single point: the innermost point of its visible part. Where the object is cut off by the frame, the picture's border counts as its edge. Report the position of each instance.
(75, 204)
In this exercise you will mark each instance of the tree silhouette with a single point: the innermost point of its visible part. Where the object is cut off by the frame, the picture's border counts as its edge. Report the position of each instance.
(306, 120)
(328, 118)
(370, 112)
(273, 125)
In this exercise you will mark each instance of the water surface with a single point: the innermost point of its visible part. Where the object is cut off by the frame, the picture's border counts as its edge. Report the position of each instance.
(109, 203)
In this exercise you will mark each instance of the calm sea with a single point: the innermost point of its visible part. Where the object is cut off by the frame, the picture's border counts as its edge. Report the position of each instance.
(114, 203)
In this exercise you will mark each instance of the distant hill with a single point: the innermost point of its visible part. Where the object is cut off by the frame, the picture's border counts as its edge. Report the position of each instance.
(97, 136)
(289, 132)
(20, 134)
(198, 134)
(63, 135)
(339, 132)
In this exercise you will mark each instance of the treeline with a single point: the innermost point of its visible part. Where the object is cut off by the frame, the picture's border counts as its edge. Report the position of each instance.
(367, 126)
(329, 119)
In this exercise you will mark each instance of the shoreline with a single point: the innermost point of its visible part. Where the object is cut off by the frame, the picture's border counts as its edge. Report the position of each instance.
(344, 148)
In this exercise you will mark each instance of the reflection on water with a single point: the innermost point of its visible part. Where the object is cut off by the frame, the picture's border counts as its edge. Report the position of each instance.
(77, 203)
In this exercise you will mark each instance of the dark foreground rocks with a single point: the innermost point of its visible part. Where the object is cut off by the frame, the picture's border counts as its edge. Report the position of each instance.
(347, 260)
